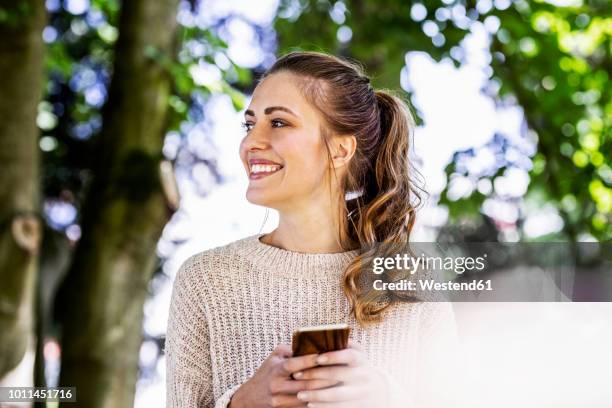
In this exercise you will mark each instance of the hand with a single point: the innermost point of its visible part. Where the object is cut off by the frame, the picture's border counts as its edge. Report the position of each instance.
(358, 384)
(272, 385)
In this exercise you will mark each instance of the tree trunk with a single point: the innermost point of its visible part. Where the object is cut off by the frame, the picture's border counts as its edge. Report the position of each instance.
(101, 300)
(21, 74)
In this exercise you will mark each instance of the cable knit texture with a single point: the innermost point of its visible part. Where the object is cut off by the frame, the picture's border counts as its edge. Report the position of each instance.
(232, 305)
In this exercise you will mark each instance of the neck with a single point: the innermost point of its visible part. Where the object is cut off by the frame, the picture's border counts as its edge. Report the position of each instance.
(312, 229)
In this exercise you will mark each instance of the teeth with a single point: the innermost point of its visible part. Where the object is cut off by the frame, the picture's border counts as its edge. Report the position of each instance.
(264, 168)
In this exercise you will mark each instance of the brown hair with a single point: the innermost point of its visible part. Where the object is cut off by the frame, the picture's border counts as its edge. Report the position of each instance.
(379, 174)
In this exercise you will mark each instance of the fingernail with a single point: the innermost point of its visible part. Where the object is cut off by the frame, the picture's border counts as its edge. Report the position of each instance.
(302, 395)
(311, 405)
(321, 359)
(298, 375)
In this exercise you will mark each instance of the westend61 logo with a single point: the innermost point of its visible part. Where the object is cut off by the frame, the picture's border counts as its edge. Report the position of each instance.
(458, 265)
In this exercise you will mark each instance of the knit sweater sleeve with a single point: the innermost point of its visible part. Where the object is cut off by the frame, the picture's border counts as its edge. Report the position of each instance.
(188, 363)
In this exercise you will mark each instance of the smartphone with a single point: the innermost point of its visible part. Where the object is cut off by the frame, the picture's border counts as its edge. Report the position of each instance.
(320, 339)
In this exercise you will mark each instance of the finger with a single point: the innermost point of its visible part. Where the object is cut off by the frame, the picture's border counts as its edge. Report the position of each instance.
(282, 400)
(340, 393)
(348, 356)
(319, 384)
(339, 373)
(295, 364)
(295, 386)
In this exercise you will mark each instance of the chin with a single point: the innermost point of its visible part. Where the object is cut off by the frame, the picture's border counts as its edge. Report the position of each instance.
(260, 198)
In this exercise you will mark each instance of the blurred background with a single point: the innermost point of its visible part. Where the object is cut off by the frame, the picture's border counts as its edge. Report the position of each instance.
(119, 134)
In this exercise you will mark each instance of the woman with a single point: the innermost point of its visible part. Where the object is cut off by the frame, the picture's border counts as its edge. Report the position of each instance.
(317, 133)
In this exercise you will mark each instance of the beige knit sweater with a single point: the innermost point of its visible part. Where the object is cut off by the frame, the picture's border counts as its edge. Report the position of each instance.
(232, 305)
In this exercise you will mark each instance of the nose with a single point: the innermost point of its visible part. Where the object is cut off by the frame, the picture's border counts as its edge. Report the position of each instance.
(256, 139)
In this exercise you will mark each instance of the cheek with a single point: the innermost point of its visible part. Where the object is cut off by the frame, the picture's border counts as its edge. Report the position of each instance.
(306, 160)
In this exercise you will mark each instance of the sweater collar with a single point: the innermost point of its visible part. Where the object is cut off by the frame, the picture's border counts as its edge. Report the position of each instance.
(295, 263)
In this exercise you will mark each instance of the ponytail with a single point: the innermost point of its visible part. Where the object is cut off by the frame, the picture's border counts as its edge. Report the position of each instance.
(388, 184)
(388, 206)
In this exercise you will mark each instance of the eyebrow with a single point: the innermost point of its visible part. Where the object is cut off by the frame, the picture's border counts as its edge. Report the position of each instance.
(271, 109)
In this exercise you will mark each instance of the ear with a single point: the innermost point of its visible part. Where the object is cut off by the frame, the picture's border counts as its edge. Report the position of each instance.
(343, 149)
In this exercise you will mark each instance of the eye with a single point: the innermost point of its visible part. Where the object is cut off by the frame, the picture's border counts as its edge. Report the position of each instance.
(276, 122)
(247, 126)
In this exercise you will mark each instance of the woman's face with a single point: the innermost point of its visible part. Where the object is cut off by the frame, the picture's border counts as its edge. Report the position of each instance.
(283, 152)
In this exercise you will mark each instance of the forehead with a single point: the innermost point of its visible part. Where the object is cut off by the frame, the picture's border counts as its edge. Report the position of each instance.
(281, 89)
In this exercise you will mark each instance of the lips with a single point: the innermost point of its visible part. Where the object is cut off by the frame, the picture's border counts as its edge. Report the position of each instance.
(263, 161)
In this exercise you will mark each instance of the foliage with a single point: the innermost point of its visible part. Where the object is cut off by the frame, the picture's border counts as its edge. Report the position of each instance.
(557, 63)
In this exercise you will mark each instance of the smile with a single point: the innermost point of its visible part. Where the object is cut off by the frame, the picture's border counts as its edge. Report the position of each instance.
(259, 171)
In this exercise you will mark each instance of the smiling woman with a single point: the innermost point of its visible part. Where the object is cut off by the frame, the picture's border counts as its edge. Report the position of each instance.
(316, 133)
